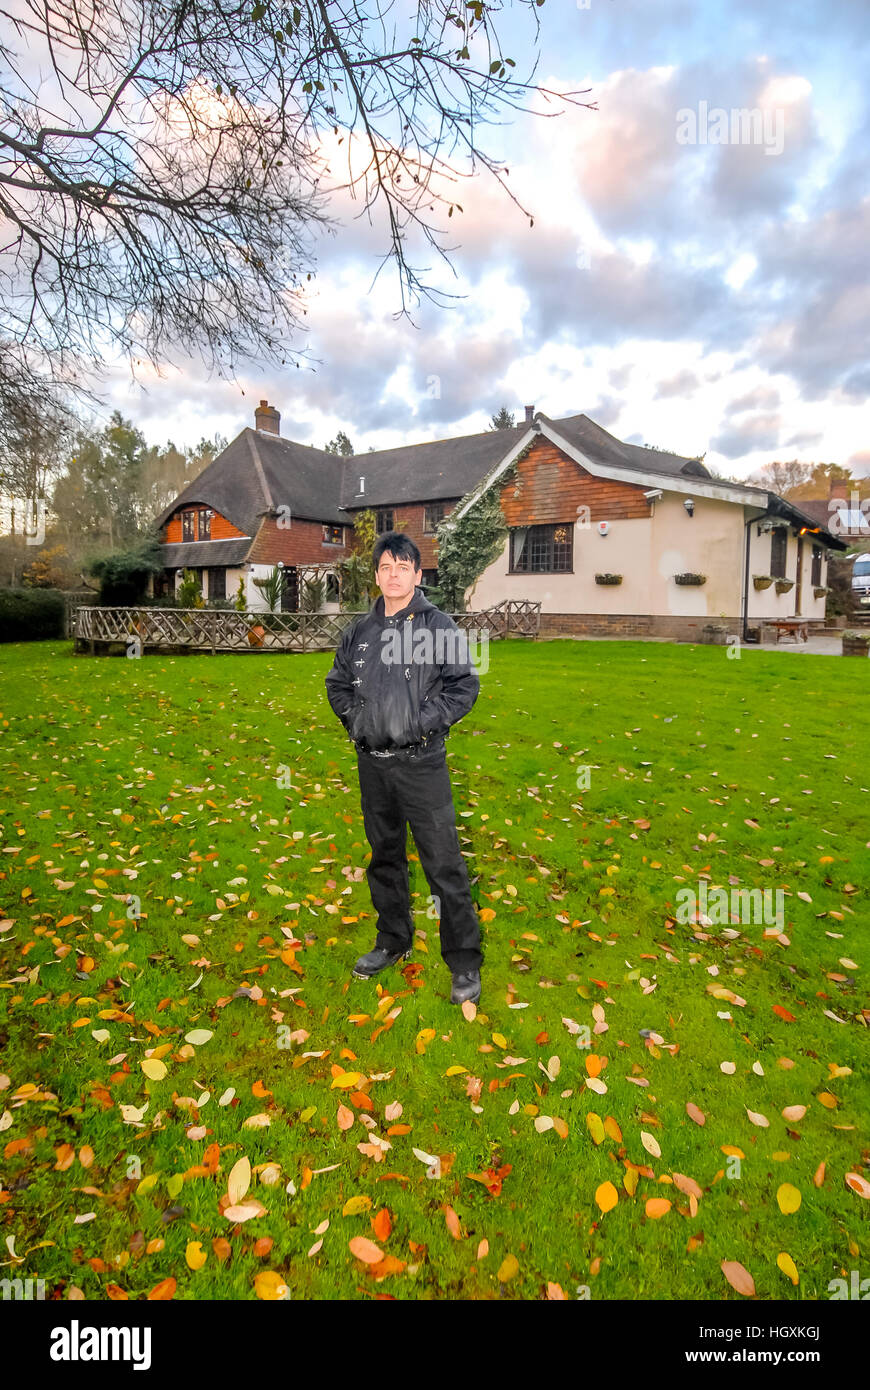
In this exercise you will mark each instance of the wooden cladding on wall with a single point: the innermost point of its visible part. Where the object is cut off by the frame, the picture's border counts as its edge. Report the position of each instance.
(221, 529)
(549, 487)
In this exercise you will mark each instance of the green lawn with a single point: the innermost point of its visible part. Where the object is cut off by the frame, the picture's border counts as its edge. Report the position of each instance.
(162, 778)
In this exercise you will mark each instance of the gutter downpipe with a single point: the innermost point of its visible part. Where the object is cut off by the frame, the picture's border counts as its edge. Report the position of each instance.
(747, 537)
(746, 540)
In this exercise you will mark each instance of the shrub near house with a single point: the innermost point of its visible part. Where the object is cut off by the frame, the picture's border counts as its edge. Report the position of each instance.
(31, 615)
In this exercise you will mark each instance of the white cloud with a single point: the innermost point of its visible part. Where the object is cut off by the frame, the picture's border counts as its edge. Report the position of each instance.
(741, 270)
(661, 285)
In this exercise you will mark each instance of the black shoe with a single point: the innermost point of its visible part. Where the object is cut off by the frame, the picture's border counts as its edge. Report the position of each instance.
(466, 985)
(376, 961)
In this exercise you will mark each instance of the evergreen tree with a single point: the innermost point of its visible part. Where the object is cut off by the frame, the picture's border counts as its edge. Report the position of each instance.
(340, 445)
(99, 495)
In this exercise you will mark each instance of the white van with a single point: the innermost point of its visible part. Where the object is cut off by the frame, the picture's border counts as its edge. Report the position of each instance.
(861, 579)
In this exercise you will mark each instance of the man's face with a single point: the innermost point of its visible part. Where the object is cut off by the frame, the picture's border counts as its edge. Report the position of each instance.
(397, 578)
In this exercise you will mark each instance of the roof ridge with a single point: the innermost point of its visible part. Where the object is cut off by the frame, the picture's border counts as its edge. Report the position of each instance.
(286, 440)
(650, 449)
(428, 443)
(260, 471)
(624, 444)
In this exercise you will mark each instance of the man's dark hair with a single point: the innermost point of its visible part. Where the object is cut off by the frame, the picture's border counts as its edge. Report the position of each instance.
(400, 546)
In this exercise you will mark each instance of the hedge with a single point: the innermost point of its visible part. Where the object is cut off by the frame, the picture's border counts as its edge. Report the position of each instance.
(31, 615)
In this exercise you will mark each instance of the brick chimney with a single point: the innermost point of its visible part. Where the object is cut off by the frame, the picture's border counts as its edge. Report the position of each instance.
(267, 418)
(530, 411)
(839, 488)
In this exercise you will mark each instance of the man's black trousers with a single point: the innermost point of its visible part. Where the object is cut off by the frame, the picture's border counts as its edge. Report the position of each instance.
(397, 792)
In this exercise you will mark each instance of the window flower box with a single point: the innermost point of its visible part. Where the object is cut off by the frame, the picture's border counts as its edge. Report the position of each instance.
(783, 585)
(762, 581)
(690, 578)
(608, 579)
(855, 643)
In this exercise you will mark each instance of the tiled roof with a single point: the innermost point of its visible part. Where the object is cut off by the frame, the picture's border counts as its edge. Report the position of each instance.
(193, 554)
(452, 467)
(427, 472)
(601, 447)
(259, 473)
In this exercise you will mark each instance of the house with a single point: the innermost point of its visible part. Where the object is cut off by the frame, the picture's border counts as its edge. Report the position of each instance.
(266, 500)
(609, 537)
(844, 513)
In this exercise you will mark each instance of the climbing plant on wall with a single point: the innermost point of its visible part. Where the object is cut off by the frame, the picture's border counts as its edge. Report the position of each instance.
(467, 546)
(357, 575)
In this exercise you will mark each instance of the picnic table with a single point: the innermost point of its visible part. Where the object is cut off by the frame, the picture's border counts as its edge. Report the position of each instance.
(780, 627)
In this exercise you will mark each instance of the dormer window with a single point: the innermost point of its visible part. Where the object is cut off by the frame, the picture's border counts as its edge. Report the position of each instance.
(196, 524)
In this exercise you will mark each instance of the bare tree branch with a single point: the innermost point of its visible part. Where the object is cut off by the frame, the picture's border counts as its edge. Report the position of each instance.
(165, 163)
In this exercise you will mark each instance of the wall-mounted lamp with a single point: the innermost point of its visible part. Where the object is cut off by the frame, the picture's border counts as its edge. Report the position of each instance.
(689, 506)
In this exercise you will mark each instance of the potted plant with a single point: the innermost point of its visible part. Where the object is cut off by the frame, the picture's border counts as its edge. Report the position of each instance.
(608, 579)
(690, 578)
(855, 643)
(783, 585)
(762, 581)
(820, 591)
(271, 587)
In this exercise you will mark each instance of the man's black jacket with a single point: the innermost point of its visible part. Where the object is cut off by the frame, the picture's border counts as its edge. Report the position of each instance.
(401, 681)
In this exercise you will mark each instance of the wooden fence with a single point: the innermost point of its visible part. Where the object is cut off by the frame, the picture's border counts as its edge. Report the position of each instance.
(73, 600)
(139, 630)
(510, 618)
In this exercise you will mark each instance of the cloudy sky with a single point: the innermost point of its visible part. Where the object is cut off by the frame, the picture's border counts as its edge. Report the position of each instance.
(693, 295)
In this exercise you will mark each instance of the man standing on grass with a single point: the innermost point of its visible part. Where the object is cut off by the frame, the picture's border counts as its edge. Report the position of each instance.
(401, 677)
